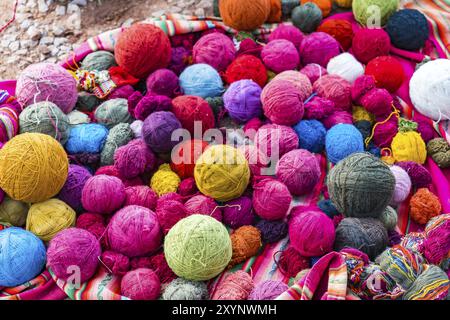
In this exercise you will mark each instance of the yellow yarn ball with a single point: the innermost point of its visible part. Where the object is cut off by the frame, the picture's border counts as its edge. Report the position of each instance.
(360, 113)
(33, 167)
(389, 160)
(344, 3)
(165, 180)
(13, 212)
(409, 146)
(222, 172)
(46, 219)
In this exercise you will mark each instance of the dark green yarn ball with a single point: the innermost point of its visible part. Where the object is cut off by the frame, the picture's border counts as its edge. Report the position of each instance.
(307, 17)
(216, 105)
(87, 101)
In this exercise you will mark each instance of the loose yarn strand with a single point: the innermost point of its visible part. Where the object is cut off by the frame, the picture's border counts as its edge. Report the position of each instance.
(394, 112)
(12, 19)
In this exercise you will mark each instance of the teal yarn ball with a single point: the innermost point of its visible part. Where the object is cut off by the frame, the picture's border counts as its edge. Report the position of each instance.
(201, 80)
(307, 17)
(367, 12)
(87, 138)
(118, 136)
(22, 256)
(361, 186)
(112, 112)
(182, 289)
(98, 61)
(45, 117)
(341, 141)
(311, 135)
(389, 218)
(431, 284)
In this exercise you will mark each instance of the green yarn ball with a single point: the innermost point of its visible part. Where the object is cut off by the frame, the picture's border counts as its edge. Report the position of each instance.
(439, 150)
(431, 284)
(389, 218)
(361, 186)
(87, 101)
(307, 17)
(45, 117)
(118, 136)
(182, 289)
(13, 212)
(198, 248)
(113, 112)
(98, 61)
(216, 104)
(367, 12)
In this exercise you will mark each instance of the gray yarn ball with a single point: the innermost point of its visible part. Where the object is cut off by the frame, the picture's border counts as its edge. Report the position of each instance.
(182, 289)
(99, 61)
(307, 17)
(87, 101)
(118, 136)
(366, 234)
(361, 186)
(113, 112)
(76, 117)
(389, 218)
(45, 117)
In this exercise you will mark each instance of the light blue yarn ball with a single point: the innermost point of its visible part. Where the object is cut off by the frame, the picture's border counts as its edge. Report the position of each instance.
(343, 140)
(22, 256)
(87, 137)
(311, 135)
(201, 80)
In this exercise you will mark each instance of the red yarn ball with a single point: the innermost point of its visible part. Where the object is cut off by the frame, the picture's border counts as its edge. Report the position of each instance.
(184, 156)
(140, 284)
(378, 101)
(116, 263)
(142, 49)
(291, 262)
(142, 196)
(370, 43)
(339, 29)
(158, 264)
(191, 109)
(169, 212)
(246, 67)
(387, 71)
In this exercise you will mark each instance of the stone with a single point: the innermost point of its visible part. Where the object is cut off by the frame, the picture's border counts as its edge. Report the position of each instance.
(127, 23)
(43, 50)
(158, 13)
(73, 8)
(42, 6)
(14, 46)
(25, 24)
(199, 12)
(60, 10)
(47, 40)
(34, 33)
(58, 30)
(81, 3)
(60, 41)
(175, 9)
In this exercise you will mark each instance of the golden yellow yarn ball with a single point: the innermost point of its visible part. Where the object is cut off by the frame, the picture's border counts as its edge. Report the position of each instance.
(165, 180)
(46, 219)
(344, 3)
(222, 172)
(33, 167)
(13, 212)
(409, 146)
(360, 113)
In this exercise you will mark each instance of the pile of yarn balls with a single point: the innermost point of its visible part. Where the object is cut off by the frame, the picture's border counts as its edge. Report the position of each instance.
(107, 184)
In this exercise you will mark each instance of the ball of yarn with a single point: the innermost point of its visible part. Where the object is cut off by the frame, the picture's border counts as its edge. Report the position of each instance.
(201, 80)
(361, 114)
(45, 117)
(103, 194)
(140, 284)
(89, 137)
(311, 135)
(222, 172)
(118, 136)
(133, 159)
(272, 231)
(408, 29)
(238, 212)
(184, 156)
(319, 48)
(335, 89)
(384, 133)
(163, 82)
(136, 127)
(378, 102)
(313, 71)
(23, 256)
(113, 112)
(389, 218)
(424, 205)
(164, 180)
(300, 80)
(142, 49)
(193, 112)
(245, 241)
(33, 167)
(201, 204)
(157, 263)
(341, 141)
(169, 212)
(280, 55)
(361, 87)
(122, 92)
(327, 207)
(436, 245)
(319, 108)
(235, 286)
(366, 234)
(339, 29)
(370, 43)
(352, 181)
(346, 66)
(47, 82)
(182, 289)
(244, 15)
(420, 176)
(387, 71)
(428, 89)
(291, 262)
(409, 146)
(402, 185)
(282, 103)
(187, 187)
(13, 212)
(157, 131)
(431, 284)
(299, 170)
(94, 223)
(343, 3)
(287, 32)
(267, 290)
(425, 128)
(246, 67)
(191, 236)
(439, 150)
(149, 104)
(215, 49)
(170, 196)
(337, 117)
(116, 263)
(98, 61)
(46, 219)
(73, 247)
(364, 10)
(257, 160)
(140, 196)
(271, 199)
(311, 232)
(273, 139)
(242, 100)
(307, 17)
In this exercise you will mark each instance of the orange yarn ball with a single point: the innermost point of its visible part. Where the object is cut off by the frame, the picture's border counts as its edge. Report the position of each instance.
(184, 156)
(424, 205)
(275, 11)
(244, 15)
(324, 5)
(339, 29)
(245, 242)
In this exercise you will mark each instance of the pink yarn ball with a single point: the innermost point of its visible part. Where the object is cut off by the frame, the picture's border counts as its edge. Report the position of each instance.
(272, 137)
(299, 80)
(115, 262)
(142, 196)
(103, 194)
(402, 185)
(149, 104)
(170, 196)
(361, 86)
(268, 290)
(378, 101)
(271, 199)
(123, 92)
(425, 129)
(201, 204)
(319, 108)
(287, 32)
(336, 118)
(336, 89)
(163, 82)
(169, 212)
(140, 284)
(158, 264)
(256, 159)
(215, 49)
(134, 158)
(235, 286)
(187, 187)
(238, 212)
(318, 47)
(282, 102)
(311, 232)
(368, 44)
(385, 132)
(280, 55)
(252, 126)
(95, 224)
(134, 231)
(299, 170)
(314, 72)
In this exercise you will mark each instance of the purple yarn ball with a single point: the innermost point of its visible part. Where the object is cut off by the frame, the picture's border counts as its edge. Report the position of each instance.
(287, 32)
(267, 290)
(151, 103)
(420, 176)
(163, 82)
(238, 212)
(181, 58)
(272, 231)
(122, 92)
(134, 159)
(157, 131)
(242, 100)
(280, 55)
(73, 188)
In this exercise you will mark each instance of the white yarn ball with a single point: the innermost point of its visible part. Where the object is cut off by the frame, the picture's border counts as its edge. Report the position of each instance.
(346, 66)
(136, 127)
(429, 89)
(402, 185)
(77, 117)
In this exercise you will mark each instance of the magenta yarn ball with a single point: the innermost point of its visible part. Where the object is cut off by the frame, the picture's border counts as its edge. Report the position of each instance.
(73, 247)
(169, 212)
(140, 284)
(134, 158)
(403, 185)
(163, 82)
(425, 128)
(73, 187)
(378, 101)
(282, 102)
(47, 82)
(268, 290)
(201, 204)
(242, 100)
(287, 32)
(170, 196)
(123, 92)
(385, 132)
(215, 49)
(299, 170)
(336, 89)
(187, 187)
(134, 231)
(271, 199)
(311, 232)
(280, 55)
(362, 85)
(238, 212)
(337, 117)
(300, 80)
(314, 71)
(318, 47)
(272, 138)
(103, 194)
(257, 160)
(319, 108)
(142, 196)
(151, 103)
(116, 263)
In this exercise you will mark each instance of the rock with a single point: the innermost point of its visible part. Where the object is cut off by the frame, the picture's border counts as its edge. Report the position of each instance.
(81, 3)
(21, 52)
(25, 24)
(158, 13)
(42, 6)
(60, 10)
(5, 43)
(31, 4)
(14, 46)
(199, 12)
(53, 50)
(34, 33)
(59, 41)
(58, 30)
(43, 50)
(74, 21)
(175, 9)
(46, 40)
(73, 8)
(127, 23)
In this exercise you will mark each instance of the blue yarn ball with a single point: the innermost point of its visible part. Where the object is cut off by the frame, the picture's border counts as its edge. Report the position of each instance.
(341, 141)
(201, 80)
(373, 149)
(408, 29)
(87, 137)
(22, 256)
(328, 208)
(311, 135)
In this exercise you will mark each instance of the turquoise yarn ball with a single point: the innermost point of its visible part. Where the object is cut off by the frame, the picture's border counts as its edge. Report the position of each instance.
(99, 61)
(22, 256)
(341, 141)
(88, 137)
(307, 17)
(201, 80)
(311, 135)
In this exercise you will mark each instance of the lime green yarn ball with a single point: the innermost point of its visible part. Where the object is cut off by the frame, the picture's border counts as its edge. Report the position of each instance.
(198, 248)
(369, 12)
